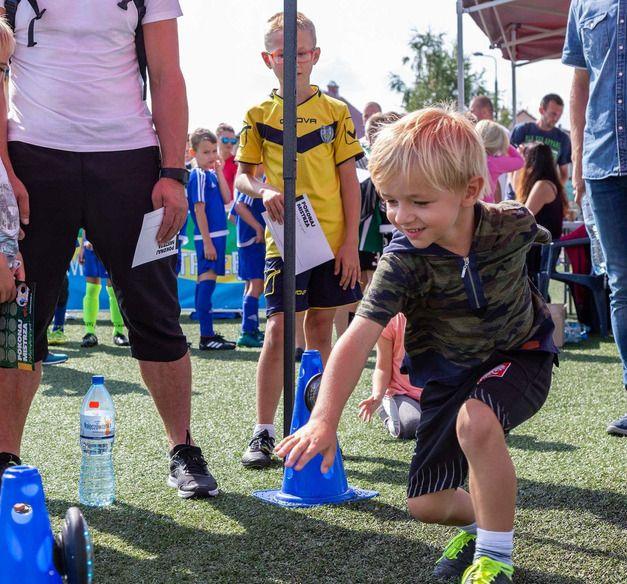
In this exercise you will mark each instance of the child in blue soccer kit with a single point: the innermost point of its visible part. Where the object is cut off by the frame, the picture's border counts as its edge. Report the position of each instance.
(207, 193)
(251, 250)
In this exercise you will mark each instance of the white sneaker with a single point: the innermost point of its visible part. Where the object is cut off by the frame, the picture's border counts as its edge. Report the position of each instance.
(388, 412)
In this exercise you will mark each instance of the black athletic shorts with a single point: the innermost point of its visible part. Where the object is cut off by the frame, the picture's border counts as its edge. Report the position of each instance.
(315, 288)
(108, 194)
(514, 384)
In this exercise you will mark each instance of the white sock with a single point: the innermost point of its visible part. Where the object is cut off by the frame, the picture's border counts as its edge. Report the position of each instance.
(497, 545)
(261, 427)
(472, 528)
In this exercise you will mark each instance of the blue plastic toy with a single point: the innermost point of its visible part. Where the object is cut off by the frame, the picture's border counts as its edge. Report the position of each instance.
(309, 487)
(28, 550)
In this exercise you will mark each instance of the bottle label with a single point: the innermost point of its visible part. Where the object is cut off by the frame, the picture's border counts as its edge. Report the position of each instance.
(97, 427)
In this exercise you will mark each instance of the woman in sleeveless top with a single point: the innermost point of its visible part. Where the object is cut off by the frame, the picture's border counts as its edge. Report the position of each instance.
(541, 191)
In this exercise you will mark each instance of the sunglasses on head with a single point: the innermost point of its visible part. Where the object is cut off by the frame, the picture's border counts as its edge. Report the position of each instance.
(226, 140)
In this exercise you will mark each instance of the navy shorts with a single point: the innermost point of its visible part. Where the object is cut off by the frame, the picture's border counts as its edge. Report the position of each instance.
(514, 384)
(217, 265)
(93, 267)
(315, 288)
(251, 261)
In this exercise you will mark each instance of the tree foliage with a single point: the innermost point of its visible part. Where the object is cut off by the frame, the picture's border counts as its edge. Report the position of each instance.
(434, 66)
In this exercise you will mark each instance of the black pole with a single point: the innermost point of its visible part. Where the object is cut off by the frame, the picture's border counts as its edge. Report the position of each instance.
(289, 190)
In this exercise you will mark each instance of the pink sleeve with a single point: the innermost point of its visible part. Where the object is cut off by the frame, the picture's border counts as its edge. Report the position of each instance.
(508, 163)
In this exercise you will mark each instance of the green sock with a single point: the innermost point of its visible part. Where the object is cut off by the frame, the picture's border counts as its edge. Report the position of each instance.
(91, 304)
(116, 315)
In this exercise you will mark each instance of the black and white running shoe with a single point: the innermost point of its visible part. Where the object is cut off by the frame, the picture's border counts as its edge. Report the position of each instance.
(189, 473)
(215, 343)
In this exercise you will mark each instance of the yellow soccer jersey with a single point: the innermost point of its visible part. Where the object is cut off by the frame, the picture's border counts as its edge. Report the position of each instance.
(326, 138)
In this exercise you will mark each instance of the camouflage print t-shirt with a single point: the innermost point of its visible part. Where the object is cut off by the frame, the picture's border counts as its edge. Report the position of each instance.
(461, 310)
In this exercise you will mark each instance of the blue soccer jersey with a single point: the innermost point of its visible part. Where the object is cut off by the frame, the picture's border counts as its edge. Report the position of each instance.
(203, 188)
(245, 233)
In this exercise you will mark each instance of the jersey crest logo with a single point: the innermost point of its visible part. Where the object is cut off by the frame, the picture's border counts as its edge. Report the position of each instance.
(498, 371)
(327, 134)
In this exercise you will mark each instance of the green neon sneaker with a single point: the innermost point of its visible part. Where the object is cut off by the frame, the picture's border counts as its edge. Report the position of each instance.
(487, 571)
(456, 557)
(56, 337)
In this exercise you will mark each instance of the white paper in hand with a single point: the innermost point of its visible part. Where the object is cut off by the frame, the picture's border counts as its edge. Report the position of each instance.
(312, 247)
(148, 249)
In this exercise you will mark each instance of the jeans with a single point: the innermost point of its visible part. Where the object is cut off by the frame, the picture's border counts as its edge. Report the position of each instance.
(608, 199)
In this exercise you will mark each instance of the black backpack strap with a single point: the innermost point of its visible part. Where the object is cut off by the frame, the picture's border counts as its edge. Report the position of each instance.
(140, 46)
(10, 8)
(31, 26)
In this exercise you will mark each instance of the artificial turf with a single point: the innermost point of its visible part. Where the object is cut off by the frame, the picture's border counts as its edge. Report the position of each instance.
(572, 505)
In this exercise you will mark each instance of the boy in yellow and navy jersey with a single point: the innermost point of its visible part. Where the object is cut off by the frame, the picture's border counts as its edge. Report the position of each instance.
(327, 151)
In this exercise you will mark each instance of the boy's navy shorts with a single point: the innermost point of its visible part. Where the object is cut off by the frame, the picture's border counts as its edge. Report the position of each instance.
(251, 261)
(514, 384)
(315, 288)
(108, 194)
(93, 267)
(217, 265)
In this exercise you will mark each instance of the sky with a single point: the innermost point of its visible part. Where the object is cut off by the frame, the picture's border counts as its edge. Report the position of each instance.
(362, 42)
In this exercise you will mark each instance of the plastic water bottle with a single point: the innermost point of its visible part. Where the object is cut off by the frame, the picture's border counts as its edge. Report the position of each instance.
(97, 482)
(596, 253)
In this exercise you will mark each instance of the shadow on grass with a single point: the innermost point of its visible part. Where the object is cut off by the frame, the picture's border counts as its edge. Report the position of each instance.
(596, 359)
(264, 544)
(526, 442)
(66, 381)
(608, 506)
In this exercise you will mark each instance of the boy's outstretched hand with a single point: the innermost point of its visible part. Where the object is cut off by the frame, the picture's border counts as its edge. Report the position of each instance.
(315, 437)
(368, 407)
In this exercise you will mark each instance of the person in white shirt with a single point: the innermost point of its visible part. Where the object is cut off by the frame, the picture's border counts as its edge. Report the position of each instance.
(84, 150)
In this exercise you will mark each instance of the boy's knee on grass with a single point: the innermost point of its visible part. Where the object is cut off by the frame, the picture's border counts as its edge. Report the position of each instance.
(477, 425)
(430, 508)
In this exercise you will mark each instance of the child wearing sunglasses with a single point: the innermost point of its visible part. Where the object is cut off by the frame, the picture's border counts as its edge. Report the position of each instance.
(226, 151)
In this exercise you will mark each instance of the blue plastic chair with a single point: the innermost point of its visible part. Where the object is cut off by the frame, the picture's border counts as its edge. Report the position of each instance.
(594, 282)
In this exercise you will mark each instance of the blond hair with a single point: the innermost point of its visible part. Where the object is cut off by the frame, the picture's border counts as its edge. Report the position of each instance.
(275, 23)
(7, 41)
(495, 137)
(436, 145)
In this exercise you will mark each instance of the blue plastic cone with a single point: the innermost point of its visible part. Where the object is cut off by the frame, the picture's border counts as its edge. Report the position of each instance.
(309, 487)
(26, 540)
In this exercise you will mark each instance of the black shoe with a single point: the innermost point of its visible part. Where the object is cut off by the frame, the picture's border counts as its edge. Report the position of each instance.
(189, 473)
(457, 556)
(298, 354)
(89, 340)
(120, 340)
(8, 460)
(215, 343)
(618, 427)
(259, 451)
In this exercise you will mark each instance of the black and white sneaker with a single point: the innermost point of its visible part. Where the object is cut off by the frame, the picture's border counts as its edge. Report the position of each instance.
(215, 343)
(121, 340)
(89, 340)
(259, 451)
(8, 460)
(189, 473)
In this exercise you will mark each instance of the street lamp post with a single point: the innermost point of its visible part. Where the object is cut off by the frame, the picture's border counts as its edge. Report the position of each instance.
(496, 80)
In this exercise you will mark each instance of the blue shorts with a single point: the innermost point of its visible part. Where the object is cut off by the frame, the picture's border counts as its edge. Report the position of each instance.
(315, 288)
(251, 261)
(217, 265)
(93, 267)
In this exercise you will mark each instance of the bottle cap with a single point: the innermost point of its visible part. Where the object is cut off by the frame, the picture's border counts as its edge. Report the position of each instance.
(97, 380)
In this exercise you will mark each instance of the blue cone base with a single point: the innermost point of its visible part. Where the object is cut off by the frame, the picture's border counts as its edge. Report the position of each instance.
(278, 497)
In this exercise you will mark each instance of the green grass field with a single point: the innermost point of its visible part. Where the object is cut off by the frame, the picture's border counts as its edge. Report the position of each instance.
(572, 505)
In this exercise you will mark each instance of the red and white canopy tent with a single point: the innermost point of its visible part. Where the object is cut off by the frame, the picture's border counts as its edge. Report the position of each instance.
(526, 31)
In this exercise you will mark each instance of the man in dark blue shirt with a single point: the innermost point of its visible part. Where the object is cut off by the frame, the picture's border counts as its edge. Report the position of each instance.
(545, 131)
